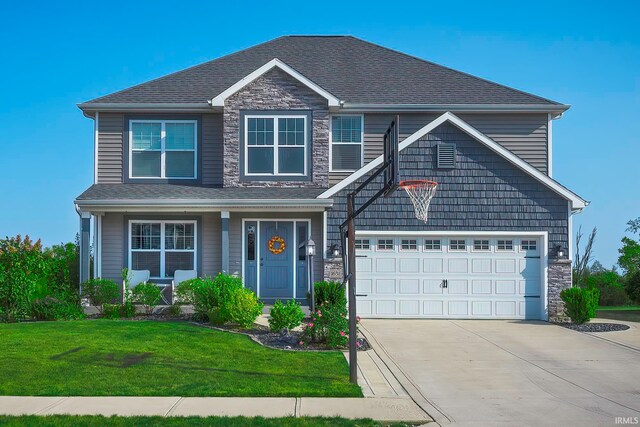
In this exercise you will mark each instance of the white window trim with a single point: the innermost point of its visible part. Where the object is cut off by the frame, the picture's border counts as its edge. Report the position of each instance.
(162, 249)
(275, 145)
(163, 150)
(361, 143)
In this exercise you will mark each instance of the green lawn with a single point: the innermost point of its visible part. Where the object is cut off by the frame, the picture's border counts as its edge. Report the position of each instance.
(630, 313)
(146, 358)
(98, 421)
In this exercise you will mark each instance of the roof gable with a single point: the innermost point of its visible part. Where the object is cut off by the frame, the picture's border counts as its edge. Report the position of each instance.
(352, 70)
(218, 101)
(577, 202)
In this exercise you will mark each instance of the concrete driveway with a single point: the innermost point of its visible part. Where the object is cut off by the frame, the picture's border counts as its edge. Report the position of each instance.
(514, 373)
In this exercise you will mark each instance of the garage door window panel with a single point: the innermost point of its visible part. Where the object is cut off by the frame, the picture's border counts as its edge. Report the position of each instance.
(505, 245)
(363, 244)
(385, 244)
(432, 245)
(409, 245)
(457, 245)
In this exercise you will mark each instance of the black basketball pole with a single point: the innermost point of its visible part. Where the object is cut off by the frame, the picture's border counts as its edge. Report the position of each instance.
(351, 260)
(348, 230)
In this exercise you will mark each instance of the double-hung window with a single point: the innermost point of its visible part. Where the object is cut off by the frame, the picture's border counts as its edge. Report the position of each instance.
(163, 149)
(346, 143)
(162, 247)
(276, 145)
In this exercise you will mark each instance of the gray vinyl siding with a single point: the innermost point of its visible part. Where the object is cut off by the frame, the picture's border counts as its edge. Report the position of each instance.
(212, 150)
(112, 134)
(211, 239)
(114, 241)
(523, 134)
(113, 246)
(110, 148)
(236, 235)
(483, 193)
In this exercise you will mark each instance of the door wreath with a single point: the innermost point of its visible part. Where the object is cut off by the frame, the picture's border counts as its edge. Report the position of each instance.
(277, 245)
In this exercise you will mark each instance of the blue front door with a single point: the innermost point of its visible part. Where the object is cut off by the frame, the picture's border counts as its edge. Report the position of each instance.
(277, 249)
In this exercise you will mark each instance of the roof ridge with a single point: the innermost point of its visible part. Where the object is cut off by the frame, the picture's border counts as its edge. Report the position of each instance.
(456, 71)
(193, 67)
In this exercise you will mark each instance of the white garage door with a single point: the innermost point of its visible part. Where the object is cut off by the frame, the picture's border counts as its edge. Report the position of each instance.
(450, 276)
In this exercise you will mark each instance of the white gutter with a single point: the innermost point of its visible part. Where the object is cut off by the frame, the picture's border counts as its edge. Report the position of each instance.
(154, 106)
(212, 203)
(467, 108)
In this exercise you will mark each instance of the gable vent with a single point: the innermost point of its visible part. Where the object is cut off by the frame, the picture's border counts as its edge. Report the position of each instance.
(446, 155)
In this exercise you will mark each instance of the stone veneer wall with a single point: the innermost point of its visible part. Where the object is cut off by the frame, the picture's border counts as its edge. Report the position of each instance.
(559, 278)
(276, 90)
(333, 270)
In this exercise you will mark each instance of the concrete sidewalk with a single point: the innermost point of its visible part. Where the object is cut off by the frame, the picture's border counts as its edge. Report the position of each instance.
(377, 408)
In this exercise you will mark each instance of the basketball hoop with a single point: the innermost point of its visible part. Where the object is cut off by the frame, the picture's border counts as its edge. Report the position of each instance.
(421, 192)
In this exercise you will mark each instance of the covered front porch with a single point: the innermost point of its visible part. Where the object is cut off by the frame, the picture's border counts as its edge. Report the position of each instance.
(264, 241)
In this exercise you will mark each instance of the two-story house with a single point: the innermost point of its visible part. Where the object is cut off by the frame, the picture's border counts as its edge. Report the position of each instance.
(232, 165)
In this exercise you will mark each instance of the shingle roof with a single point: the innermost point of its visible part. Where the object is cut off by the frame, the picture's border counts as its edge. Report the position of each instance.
(353, 70)
(156, 192)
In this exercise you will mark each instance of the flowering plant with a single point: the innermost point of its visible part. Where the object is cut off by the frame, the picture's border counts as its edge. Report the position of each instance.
(329, 325)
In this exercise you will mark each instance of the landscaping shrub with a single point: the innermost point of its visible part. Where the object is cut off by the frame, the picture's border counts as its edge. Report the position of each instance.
(633, 286)
(23, 269)
(609, 283)
(128, 308)
(148, 294)
(328, 324)
(285, 316)
(241, 306)
(101, 292)
(175, 310)
(209, 296)
(52, 308)
(38, 282)
(184, 291)
(111, 311)
(580, 303)
(64, 268)
(330, 293)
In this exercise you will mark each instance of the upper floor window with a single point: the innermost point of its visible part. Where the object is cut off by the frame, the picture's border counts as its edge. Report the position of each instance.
(346, 143)
(162, 149)
(276, 145)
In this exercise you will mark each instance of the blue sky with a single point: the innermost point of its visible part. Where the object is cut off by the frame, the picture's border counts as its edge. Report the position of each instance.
(56, 54)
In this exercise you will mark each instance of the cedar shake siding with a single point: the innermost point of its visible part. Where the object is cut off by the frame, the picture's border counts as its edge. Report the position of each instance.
(483, 193)
(524, 134)
(278, 91)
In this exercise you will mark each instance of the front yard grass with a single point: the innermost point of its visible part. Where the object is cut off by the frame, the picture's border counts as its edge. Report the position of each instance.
(99, 421)
(148, 358)
(629, 313)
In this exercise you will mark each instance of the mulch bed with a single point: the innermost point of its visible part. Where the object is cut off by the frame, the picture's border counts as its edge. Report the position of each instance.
(279, 340)
(595, 327)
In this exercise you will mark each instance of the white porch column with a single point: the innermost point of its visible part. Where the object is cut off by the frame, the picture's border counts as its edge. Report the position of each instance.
(224, 217)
